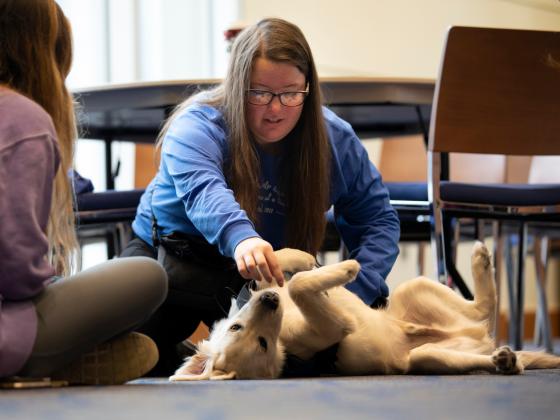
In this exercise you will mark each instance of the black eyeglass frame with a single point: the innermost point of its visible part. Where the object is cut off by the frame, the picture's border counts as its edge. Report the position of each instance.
(279, 94)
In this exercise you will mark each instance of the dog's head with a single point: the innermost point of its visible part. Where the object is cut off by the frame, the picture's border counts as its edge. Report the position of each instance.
(244, 345)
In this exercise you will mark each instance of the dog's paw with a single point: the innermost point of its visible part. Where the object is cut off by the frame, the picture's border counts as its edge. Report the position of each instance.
(506, 361)
(294, 260)
(348, 269)
(481, 260)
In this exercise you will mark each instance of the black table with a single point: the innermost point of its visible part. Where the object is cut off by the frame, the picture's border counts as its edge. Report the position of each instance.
(376, 107)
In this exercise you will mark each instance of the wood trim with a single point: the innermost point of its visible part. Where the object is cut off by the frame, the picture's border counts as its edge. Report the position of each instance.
(529, 325)
(146, 165)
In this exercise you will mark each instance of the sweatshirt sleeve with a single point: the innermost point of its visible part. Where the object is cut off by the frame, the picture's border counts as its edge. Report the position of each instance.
(368, 224)
(27, 171)
(193, 153)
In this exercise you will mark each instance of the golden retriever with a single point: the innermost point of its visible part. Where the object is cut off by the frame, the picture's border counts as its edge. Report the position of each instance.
(426, 328)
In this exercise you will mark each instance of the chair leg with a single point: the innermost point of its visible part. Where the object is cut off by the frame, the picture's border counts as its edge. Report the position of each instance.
(543, 335)
(110, 239)
(511, 275)
(456, 239)
(451, 269)
(437, 245)
(420, 261)
(79, 257)
(520, 288)
(497, 253)
(123, 232)
(343, 253)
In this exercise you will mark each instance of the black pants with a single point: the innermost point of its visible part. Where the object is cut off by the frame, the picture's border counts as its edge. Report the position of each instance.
(198, 291)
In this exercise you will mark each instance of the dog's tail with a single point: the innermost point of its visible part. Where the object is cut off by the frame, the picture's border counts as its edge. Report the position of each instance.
(538, 360)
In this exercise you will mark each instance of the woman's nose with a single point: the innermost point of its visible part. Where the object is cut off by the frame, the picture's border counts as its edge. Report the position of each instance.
(275, 104)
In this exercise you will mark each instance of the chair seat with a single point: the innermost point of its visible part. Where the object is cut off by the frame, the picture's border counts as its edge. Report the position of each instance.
(408, 191)
(410, 200)
(108, 200)
(107, 207)
(501, 194)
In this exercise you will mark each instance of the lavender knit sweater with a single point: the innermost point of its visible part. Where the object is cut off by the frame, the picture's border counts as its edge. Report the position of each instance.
(28, 162)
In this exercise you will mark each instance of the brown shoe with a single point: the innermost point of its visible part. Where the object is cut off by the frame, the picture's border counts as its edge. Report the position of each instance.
(112, 363)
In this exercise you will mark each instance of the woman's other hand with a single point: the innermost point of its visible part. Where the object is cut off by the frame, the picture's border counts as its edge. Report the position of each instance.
(255, 259)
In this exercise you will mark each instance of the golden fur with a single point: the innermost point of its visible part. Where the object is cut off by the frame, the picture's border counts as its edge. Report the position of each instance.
(426, 328)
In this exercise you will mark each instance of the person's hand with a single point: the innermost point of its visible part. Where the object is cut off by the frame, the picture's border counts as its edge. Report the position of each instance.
(255, 259)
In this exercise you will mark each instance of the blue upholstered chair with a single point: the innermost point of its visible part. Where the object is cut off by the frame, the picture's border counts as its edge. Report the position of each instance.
(497, 92)
(107, 215)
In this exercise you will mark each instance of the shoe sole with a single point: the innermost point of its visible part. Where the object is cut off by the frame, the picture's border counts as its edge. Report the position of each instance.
(115, 362)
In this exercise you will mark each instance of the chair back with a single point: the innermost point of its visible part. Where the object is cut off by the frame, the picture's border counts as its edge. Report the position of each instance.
(498, 92)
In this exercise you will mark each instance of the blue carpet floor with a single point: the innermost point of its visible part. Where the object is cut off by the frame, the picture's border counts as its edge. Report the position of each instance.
(533, 395)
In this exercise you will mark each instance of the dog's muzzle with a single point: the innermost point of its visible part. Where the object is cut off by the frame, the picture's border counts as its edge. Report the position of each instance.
(270, 300)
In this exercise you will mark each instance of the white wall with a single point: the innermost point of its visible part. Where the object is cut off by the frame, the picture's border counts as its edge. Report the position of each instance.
(124, 41)
(398, 38)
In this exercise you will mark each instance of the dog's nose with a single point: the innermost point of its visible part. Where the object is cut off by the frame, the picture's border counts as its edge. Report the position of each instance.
(270, 300)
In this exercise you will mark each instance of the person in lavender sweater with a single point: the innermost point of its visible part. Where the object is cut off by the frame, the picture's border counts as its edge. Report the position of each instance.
(53, 324)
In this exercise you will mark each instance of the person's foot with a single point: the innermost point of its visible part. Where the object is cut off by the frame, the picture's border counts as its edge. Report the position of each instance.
(115, 362)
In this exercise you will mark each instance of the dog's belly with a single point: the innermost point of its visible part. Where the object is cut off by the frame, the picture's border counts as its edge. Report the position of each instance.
(376, 347)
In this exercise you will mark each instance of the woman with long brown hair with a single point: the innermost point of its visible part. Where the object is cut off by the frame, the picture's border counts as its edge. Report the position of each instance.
(52, 321)
(253, 166)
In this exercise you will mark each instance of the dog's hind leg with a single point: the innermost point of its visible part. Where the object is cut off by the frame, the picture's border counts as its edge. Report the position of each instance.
(325, 322)
(431, 359)
(485, 301)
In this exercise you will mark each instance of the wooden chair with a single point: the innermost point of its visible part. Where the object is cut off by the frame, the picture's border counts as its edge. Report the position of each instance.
(497, 92)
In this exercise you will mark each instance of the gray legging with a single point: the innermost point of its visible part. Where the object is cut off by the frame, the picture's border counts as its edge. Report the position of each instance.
(78, 312)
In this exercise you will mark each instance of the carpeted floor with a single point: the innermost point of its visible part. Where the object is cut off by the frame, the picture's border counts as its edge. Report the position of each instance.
(533, 395)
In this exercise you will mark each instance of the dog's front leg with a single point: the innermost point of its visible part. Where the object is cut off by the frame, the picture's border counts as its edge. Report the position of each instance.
(325, 321)
(294, 260)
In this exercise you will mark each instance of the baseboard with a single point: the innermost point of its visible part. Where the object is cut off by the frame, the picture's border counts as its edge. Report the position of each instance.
(529, 324)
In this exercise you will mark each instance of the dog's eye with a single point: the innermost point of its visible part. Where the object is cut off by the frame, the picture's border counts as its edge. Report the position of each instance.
(236, 327)
(263, 343)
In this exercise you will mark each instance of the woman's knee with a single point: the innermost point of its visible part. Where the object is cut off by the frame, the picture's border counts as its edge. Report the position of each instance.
(152, 278)
(147, 278)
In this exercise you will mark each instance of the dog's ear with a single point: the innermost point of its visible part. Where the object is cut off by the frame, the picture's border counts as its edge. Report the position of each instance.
(219, 375)
(198, 367)
(233, 309)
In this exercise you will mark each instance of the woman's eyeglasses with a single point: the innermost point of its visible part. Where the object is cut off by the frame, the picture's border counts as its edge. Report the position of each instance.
(264, 97)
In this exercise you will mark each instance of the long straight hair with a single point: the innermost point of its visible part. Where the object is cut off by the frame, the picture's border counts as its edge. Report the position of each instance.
(35, 58)
(306, 169)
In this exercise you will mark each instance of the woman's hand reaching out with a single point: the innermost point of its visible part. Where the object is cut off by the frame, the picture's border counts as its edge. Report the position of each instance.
(255, 259)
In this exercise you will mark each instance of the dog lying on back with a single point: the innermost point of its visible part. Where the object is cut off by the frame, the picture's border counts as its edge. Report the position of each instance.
(427, 328)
